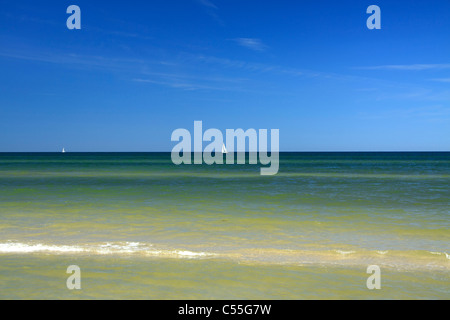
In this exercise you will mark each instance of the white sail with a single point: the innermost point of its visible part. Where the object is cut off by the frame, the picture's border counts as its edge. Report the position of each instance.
(224, 150)
(63, 150)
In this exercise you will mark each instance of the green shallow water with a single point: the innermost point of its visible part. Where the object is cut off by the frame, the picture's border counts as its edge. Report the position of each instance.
(193, 232)
(109, 277)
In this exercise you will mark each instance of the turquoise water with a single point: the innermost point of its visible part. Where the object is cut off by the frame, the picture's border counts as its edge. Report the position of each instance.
(140, 227)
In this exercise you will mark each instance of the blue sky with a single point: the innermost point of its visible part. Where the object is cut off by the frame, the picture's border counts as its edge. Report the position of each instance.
(138, 70)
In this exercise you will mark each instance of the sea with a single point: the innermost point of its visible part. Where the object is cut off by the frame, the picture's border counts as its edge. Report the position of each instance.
(140, 227)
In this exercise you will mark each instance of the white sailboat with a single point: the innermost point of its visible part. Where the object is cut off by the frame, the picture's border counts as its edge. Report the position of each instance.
(224, 150)
(63, 150)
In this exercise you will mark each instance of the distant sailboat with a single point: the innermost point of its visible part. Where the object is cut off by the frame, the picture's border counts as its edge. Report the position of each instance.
(63, 150)
(224, 150)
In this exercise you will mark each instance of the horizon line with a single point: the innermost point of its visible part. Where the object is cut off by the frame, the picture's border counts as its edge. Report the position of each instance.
(410, 151)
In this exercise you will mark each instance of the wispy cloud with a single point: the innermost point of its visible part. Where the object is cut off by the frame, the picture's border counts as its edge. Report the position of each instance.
(251, 43)
(118, 33)
(71, 60)
(185, 85)
(446, 80)
(172, 84)
(134, 69)
(207, 3)
(211, 9)
(409, 67)
(192, 82)
(187, 71)
(426, 113)
(269, 68)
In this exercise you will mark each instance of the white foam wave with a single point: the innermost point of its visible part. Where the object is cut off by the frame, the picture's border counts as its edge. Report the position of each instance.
(345, 252)
(27, 248)
(441, 253)
(102, 249)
